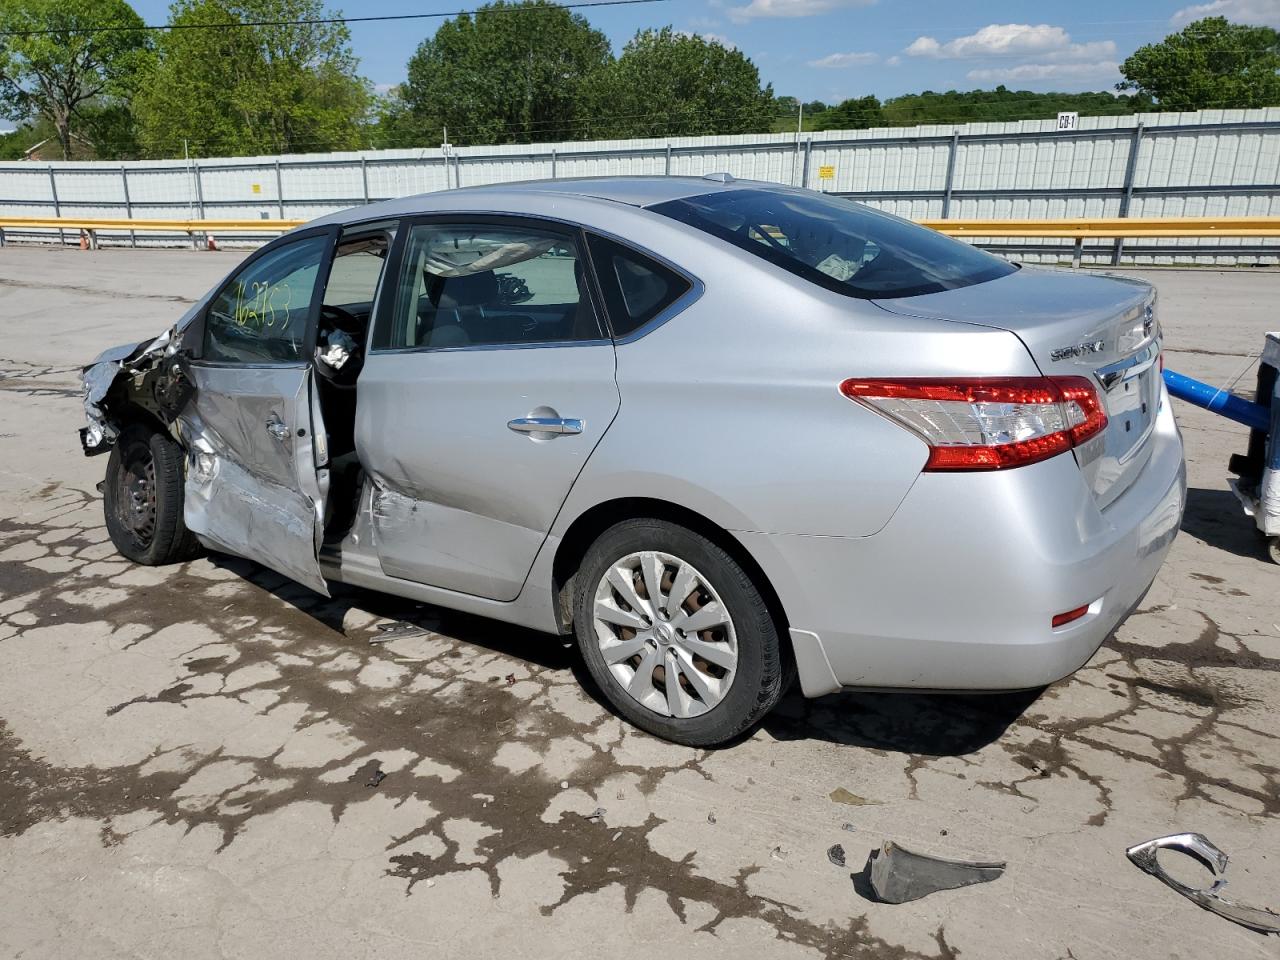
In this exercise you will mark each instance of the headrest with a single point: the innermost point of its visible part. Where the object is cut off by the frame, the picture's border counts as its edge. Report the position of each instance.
(473, 290)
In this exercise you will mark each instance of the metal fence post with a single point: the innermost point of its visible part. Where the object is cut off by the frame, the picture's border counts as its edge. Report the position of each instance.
(57, 207)
(808, 155)
(457, 170)
(279, 190)
(195, 169)
(553, 163)
(364, 177)
(128, 204)
(668, 171)
(951, 173)
(1130, 167)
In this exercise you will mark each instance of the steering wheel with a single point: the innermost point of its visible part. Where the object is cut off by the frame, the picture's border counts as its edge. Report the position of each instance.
(336, 318)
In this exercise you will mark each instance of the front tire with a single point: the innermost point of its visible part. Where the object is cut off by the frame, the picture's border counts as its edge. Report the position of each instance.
(656, 601)
(142, 498)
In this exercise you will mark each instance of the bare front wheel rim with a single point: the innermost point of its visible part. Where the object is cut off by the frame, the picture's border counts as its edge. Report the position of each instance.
(136, 495)
(665, 634)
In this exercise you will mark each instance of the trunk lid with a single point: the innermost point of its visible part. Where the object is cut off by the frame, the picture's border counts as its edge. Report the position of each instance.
(1103, 328)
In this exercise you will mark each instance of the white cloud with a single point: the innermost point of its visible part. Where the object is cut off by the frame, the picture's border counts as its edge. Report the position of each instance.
(1259, 12)
(995, 40)
(1095, 50)
(840, 60)
(790, 8)
(893, 61)
(1099, 71)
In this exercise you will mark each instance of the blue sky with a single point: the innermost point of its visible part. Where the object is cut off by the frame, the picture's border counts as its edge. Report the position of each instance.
(833, 49)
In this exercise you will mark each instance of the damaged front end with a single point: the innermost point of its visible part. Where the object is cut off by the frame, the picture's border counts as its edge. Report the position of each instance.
(149, 377)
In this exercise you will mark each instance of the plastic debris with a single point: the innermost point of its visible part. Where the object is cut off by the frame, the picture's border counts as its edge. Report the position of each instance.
(841, 795)
(1198, 847)
(836, 855)
(711, 818)
(778, 853)
(899, 875)
(848, 826)
(370, 774)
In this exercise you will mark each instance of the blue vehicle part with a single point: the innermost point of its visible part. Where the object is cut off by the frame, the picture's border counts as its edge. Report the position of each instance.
(1219, 401)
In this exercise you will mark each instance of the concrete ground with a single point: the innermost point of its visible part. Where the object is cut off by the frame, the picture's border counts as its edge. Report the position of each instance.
(187, 754)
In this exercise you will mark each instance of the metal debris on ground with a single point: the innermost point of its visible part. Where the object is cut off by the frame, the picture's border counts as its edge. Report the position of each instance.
(1198, 847)
(596, 814)
(836, 855)
(398, 631)
(899, 875)
(511, 679)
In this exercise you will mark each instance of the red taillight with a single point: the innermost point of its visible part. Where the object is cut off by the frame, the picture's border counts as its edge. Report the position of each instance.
(1062, 619)
(988, 423)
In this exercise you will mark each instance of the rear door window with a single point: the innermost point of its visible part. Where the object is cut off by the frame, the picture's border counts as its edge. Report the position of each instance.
(486, 285)
(636, 287)
(842, 246)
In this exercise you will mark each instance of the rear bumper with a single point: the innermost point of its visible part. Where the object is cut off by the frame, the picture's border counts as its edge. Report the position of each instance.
(958, 591)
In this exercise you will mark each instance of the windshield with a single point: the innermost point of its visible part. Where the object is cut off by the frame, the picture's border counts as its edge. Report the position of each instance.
(840, 245)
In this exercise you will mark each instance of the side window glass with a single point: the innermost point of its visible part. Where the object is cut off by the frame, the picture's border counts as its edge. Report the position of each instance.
(636, 288)
(488, 285)
(261, 315)
(354, 275)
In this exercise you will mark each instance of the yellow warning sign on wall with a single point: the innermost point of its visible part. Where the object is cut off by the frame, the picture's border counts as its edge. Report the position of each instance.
(257, 188)
(826, 173)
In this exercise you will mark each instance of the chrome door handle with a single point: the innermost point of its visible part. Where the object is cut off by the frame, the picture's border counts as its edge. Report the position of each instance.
(277, 429)
(559, 426)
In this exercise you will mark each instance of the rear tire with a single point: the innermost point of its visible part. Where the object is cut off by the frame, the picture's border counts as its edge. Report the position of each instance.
(142, 498)
(729, 666)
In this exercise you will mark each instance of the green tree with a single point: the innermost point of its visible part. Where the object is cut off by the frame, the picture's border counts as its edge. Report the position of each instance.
(669, 83)
(1210, 63)
(1003, 104)
(65, 76)
(510, 72)
(857, 113)
(286, 87)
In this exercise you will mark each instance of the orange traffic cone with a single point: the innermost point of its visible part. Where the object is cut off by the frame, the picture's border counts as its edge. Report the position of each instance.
(84, 240)
(210, 243)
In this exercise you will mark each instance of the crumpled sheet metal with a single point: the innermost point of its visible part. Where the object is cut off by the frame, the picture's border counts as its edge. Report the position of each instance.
(899, 875)
(99, 376)
(1199, 847)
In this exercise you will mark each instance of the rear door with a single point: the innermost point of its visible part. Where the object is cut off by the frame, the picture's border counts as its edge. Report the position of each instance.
(253, 487)
(489, 381)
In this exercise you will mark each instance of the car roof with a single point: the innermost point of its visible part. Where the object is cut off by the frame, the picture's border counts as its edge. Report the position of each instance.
(637, 191)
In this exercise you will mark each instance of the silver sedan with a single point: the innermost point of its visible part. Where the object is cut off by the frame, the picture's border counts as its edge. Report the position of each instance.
(724, 433)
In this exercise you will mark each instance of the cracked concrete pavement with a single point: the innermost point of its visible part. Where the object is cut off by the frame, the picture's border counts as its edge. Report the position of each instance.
(188, 754)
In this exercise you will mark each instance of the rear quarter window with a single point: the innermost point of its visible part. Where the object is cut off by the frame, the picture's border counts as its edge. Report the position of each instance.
(840, 245)
(636, 288)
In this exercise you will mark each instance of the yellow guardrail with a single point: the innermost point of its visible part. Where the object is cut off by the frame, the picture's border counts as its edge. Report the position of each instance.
(1113, 227)
(1077, 229)
(95, 224)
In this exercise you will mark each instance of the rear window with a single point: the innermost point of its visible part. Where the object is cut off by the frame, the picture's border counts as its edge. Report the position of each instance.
(837, 244)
